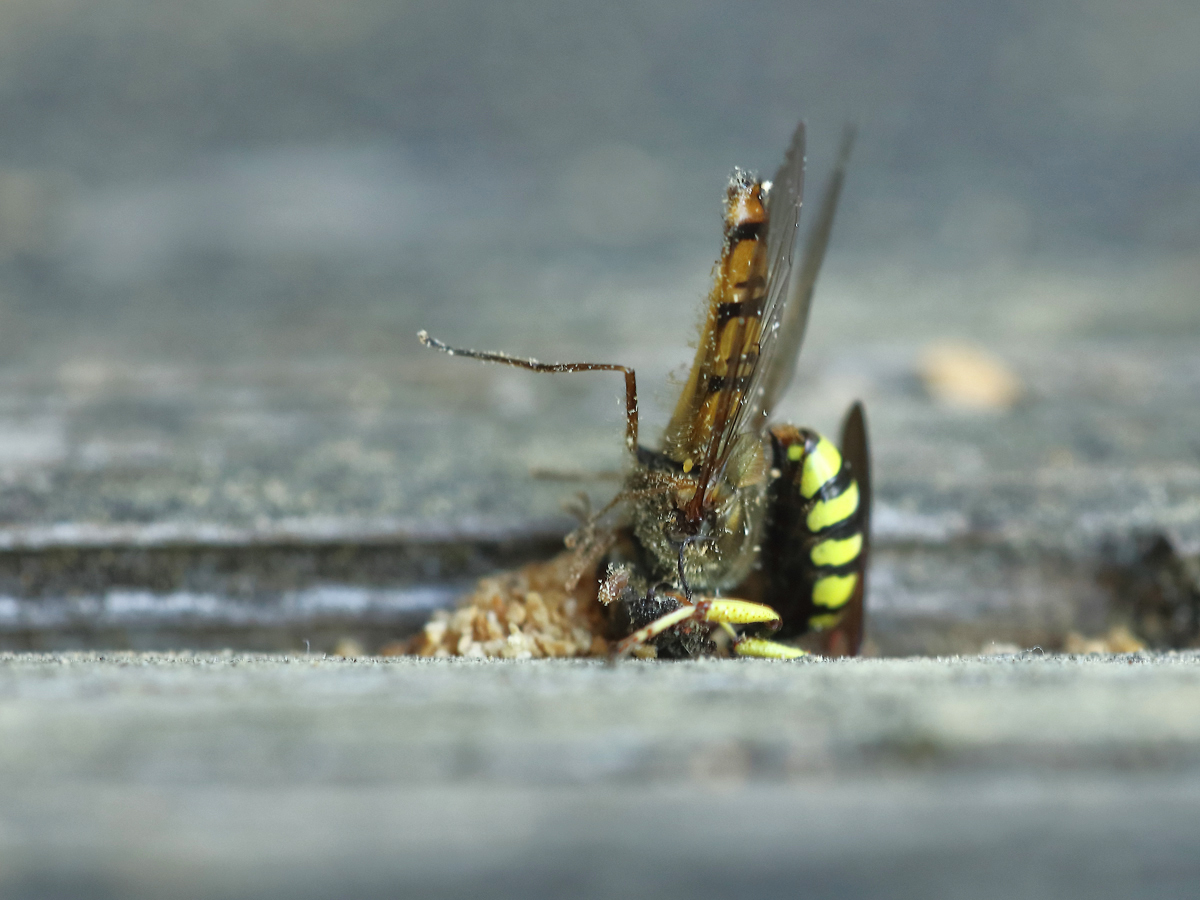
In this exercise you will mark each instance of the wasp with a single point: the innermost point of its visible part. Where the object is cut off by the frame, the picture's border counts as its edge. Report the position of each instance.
(736, 535)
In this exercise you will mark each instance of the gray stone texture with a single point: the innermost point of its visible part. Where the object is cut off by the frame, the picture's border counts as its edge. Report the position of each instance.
(139, 775)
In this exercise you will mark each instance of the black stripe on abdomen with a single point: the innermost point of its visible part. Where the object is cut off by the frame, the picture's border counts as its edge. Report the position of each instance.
(745, 231)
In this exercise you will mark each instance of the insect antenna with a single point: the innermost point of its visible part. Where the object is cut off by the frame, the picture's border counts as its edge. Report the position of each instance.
(591, 519)
(533, 365)
(683, 545)
(683, 582)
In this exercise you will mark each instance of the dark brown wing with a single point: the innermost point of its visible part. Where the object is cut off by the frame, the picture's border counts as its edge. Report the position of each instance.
(845, 639)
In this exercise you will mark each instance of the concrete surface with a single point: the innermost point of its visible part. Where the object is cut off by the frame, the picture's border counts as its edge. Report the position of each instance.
(222, 776)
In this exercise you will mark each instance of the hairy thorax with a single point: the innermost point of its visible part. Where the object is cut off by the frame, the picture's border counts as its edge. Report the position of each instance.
(725, 543)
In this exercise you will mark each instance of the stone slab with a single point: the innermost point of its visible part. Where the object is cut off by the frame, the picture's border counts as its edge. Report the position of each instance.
(138, 775)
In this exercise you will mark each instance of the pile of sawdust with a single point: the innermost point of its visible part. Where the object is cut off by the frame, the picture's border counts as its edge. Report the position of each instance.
(525, 614)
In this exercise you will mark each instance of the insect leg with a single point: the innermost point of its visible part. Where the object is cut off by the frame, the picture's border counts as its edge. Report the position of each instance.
(718, 610)
(764, 649)
(533, 365)
(654, 629)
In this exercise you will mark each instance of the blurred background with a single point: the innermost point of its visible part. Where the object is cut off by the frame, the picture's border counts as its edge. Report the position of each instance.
(225, 179)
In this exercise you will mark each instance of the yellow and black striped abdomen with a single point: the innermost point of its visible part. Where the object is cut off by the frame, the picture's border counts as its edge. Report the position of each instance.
(814, 551)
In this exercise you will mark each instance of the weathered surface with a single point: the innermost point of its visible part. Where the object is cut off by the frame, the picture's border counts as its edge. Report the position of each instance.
(131, 775)
(222, 226)
(237, 497)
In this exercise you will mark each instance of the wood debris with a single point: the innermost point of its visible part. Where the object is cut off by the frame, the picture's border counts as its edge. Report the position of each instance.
(525, 614)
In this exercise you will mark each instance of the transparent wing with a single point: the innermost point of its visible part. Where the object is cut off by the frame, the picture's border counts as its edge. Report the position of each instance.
(783, 208)
(793, 312)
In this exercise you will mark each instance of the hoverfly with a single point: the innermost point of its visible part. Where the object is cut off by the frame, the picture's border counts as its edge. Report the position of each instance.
(736, 531)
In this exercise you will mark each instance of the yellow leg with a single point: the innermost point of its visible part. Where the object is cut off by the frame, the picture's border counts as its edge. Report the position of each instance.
(740, 612)
(760, 649)
(721, 610)
(654, 629)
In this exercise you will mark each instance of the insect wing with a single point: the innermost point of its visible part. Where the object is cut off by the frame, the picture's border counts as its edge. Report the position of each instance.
(792, 316)
(743, 414)
(783, 208)
(705, 425)
(783, 205)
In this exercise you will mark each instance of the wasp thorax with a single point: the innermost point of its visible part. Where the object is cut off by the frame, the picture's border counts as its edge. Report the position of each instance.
(721, 542)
